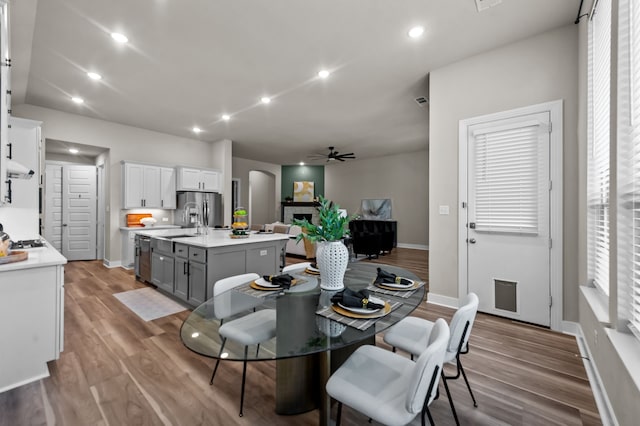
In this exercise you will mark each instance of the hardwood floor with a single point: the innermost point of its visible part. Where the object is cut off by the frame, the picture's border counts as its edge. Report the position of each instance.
(117, 369)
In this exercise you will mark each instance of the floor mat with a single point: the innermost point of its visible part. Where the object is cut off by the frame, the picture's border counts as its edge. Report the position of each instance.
(148, 303)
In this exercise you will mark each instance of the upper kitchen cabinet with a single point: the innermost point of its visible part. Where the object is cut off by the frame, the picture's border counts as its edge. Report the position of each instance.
(192, 179)
(4, 102)
(149, 186)
(167, 187)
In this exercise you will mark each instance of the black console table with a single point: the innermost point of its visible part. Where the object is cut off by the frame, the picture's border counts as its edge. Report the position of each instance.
(373, 237)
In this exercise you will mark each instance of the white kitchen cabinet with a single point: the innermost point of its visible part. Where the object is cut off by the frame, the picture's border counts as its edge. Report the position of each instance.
(192, 179)
(21, 216)
(145, 185)
(167, 187)
(31, 316)
(5, 101)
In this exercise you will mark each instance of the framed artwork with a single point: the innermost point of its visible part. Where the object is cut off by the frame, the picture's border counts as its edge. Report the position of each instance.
(303, 191)
(378, 209)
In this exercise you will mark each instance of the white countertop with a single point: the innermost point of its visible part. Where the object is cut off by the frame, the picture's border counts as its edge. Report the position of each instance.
(147, 228)
(38, 258)
(214, 238)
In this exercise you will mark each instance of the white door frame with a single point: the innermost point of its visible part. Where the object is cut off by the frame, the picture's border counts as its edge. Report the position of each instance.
(555, 202)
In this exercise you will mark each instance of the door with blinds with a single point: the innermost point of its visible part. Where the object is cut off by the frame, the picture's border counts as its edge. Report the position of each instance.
(508, 218)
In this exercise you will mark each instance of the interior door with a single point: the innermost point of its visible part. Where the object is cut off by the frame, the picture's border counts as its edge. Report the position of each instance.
(508, 222)
(53, 202)
(79, 220)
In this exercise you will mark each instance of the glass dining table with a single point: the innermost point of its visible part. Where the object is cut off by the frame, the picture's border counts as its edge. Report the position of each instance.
(312, 337)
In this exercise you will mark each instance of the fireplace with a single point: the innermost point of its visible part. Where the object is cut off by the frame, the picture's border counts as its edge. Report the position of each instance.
(300, 210)
(302, 216)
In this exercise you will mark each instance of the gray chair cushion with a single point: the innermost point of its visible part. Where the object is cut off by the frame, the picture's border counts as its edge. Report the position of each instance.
(251, 329)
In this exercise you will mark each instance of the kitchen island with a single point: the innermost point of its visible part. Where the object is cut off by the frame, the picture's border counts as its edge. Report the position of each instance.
(187, 265)
(31, 316)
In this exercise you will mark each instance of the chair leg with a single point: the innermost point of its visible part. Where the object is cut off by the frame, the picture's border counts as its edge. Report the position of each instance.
(475, 404)
(339, 415)
(453, 408)
(431, 422)
(244, 376)
(224, 340)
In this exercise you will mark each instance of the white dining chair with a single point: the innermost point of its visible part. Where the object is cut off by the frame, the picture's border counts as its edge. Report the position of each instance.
(296, 267)
(251, 329)
(411, 334)
(387, 387)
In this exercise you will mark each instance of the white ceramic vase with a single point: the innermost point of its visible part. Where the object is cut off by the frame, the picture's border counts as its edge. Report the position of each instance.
(332, 258)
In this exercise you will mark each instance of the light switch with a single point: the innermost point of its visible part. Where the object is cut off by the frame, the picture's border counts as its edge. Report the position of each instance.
(263, 252)
(444, 209)
(165, 219)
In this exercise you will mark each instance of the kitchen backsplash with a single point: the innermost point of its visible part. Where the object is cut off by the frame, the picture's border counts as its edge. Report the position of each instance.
(158, 214)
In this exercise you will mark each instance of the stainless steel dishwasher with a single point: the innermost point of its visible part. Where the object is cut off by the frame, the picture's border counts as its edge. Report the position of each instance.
(143, 258)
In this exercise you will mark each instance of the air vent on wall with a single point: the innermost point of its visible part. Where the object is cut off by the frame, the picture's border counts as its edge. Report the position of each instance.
(486, 4)
(422, 101)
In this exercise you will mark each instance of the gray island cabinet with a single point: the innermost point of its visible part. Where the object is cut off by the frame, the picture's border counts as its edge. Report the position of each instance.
(188, 266)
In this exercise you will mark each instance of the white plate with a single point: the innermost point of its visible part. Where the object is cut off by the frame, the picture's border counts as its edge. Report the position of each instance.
(311, 268)
(396, 285)
(364, 310)
(264, 283)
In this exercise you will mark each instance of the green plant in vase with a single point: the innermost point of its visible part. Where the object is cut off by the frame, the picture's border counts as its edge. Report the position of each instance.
(332, 255)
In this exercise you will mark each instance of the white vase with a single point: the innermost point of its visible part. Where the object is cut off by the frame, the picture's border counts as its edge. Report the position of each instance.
(332, 258)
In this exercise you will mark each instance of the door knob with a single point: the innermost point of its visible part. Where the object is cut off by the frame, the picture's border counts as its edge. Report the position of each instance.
(64, 224)
(472, 241)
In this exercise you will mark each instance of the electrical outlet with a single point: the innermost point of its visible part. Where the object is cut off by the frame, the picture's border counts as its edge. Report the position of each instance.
(263, 252)
(595, 337)
(443, 210)
(165, 219)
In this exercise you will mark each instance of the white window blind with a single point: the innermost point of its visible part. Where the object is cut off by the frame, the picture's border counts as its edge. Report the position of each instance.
(598, 136)
(629, 162)
(506, 179)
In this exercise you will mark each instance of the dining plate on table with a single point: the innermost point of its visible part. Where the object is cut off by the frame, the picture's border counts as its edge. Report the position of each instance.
(397, 286)
(371, 313)
(262, 284)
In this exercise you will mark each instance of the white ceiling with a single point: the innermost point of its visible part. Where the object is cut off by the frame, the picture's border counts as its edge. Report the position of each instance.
(189, 61)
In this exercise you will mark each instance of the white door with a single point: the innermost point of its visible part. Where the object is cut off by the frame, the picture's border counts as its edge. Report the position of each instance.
(79, 212)
(508, 219)
(53, 206)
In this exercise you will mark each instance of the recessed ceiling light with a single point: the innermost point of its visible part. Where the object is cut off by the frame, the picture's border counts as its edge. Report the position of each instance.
(302, 163)
(323, 74)
(416, 32)
(73, 150)
(120, 38)
(77, 100)
(94, 76)
(226, 117)
(265, 100)
(196, 130)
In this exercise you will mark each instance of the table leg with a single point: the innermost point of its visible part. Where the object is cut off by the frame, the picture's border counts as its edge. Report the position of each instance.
(325, 399)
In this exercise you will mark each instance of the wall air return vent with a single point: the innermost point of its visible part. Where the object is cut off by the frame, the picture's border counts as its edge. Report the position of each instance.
(486, 4)
(422, 101)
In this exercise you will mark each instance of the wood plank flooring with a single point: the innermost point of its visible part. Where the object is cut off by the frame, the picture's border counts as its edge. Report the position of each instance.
(117, 369)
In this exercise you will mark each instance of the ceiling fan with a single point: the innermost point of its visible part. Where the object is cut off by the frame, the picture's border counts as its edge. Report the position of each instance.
(333, 155)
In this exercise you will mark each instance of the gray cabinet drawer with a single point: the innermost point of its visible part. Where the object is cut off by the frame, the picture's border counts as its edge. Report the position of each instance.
(198, 254)
(162, 246)
(181, 250)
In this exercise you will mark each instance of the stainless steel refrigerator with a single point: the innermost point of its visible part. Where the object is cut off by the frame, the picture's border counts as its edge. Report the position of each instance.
(206, 206)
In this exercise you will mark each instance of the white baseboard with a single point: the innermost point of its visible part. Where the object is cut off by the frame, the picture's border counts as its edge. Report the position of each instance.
(599, 392)
(570, 327)
(111, 264)
(413, 246)
(438, 299)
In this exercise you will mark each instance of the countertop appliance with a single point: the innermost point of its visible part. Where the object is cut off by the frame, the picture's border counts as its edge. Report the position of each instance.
(194, 207)
(26, 244)
(142, 261)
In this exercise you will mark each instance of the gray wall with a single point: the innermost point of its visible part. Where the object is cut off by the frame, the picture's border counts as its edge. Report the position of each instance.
(403, 178)
(262, 190)
(539, 69)
(127, 143)
(241, 169)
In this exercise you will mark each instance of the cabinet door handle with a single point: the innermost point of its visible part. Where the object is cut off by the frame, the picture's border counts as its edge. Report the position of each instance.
(161, 203)
(10, 155)
(9, 192)
(184, 268)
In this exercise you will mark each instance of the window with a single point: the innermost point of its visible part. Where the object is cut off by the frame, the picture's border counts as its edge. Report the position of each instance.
(628, 163)
(598, 139)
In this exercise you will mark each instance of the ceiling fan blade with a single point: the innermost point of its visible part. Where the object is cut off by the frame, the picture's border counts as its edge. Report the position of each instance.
(339, 158)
